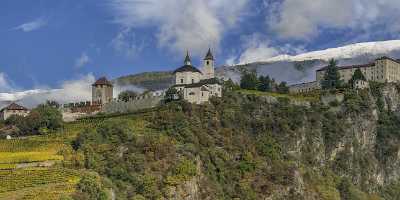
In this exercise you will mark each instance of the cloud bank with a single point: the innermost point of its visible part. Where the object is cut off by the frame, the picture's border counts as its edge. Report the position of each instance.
(69, 91)
(304, 19)
(195, 25)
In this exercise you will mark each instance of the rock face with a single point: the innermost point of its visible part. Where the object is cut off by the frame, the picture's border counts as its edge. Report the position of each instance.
(188, 190)
(353, 151)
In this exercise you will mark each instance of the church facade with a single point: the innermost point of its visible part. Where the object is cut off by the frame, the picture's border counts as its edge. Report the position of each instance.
(198, 86)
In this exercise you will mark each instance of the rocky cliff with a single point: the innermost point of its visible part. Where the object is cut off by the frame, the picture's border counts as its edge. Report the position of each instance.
(252, 146)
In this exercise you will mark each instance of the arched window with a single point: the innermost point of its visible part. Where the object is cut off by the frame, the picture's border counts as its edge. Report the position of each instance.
(208, 62)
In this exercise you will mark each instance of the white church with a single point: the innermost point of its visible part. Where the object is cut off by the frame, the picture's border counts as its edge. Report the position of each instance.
(197, 86)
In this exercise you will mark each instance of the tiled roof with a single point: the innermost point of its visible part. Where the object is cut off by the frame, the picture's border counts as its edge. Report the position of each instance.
(102, 81)
(14, 106)
(361, 66)
(388, 58)
(211, 81)
(349, 67)
(187, 68)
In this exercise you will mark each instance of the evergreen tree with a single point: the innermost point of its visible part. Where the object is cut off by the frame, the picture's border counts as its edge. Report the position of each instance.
(358, 75)
(264, 84)
(331, 78)
(283, 88)
(127, 95)
(249, 81)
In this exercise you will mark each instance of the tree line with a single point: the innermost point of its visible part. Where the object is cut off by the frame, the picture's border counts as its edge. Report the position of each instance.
(251, 81)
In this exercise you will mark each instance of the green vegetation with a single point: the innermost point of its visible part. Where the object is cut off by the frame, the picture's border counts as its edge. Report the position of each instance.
(250, 81)
(237, 147)
(331, 78)
(358, 75)
(41, 120)
(127, 95)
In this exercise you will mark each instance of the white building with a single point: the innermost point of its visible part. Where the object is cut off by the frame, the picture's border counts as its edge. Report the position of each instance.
(13, 109)
(382, 70)
(197, 86)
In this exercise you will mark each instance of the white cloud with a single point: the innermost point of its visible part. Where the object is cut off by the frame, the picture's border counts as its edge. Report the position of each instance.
(126, 43)
(82, 60)
(304, 19)
(181, 24)
(69, 91)
(33, 25)
(256, 48)
(258, 52)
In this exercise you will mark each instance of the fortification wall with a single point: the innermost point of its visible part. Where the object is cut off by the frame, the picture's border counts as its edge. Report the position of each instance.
(137, 104)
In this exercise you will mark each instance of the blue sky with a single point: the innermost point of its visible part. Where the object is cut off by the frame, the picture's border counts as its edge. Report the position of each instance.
(44, 43)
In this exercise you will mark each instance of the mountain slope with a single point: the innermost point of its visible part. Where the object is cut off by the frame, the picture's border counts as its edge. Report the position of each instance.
(300, 68)
(345, 52)
(292, 69)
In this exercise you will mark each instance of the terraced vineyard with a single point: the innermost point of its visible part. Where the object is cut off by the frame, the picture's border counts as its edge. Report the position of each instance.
(36, 167)
(31, 168)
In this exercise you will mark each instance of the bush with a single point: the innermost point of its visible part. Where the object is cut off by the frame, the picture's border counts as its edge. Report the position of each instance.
(249, 81)
(41, 120)
(90, 188)
(127, 95)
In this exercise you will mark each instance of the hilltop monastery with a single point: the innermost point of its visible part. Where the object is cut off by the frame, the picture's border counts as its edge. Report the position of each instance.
(194, 85)
(382, 70)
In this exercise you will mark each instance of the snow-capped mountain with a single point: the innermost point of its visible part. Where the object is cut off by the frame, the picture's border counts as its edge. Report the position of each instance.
(301, 68)
(345, 52)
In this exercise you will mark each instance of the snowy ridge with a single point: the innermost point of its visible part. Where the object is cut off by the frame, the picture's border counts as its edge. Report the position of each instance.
(349, 51)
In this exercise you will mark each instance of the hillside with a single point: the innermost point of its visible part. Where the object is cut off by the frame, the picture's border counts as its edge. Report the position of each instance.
(247, 145)
(292, 69)
(147, 80)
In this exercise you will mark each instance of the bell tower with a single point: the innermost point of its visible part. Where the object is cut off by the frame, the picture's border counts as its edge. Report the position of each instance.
(208, 67)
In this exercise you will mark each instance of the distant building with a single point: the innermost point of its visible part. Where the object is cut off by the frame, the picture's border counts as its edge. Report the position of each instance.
(13, 109)
(197, 86)
(382, 70)
(102, 91)
(360, 84)
(304, 87)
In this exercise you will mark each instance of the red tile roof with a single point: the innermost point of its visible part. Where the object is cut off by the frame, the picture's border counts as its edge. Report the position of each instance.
(349, 67)
(102, 81)
(14, 106)
(362, 66)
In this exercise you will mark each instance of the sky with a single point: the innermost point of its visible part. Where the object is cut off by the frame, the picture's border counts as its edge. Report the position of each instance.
(52, 44)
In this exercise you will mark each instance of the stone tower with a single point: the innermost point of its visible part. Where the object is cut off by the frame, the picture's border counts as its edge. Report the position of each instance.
(102, 91)
(208, 68)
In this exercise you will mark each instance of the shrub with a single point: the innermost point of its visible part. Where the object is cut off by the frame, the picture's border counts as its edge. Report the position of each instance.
(89, 188)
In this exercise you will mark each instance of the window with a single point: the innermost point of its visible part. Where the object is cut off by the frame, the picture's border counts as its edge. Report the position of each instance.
(192, 80)
(192, 93)
(202, 94)
(208, 62)
(181, 80)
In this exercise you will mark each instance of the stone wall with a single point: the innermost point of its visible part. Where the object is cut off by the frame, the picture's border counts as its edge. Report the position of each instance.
(137, 104)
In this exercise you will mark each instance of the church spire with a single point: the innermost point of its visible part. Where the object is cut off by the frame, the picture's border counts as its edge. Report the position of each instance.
(187, 59)
(209, 55)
